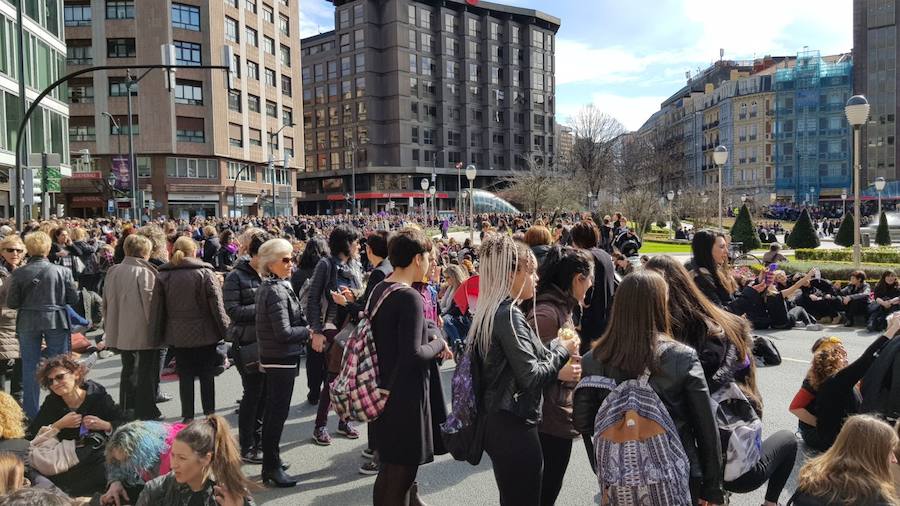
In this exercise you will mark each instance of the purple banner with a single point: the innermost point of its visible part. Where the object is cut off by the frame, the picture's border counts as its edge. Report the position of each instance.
(122, 174)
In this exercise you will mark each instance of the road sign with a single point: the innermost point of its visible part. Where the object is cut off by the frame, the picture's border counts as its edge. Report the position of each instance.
(110, 206)
(53, 179)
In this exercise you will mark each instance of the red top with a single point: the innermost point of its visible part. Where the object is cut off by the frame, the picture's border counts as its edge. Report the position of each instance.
(467, 295)
(802, 399)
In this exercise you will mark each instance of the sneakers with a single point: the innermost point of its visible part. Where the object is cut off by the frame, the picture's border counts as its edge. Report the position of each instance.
(321, 436)
(369, 468)
(368, 453)
(348, 430)
(825, 320)
(815, 327)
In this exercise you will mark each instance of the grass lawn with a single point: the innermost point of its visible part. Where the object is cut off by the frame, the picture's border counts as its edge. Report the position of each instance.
(662, 247)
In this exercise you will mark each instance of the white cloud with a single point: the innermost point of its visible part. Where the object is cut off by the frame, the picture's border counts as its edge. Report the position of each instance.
(630, 111)
(316, 16)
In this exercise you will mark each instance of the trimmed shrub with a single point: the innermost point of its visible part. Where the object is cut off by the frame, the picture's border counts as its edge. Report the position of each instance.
(803, 235)
(831, 271)
(844, 236)
(872, 255)
(744, 232)
(882, 235)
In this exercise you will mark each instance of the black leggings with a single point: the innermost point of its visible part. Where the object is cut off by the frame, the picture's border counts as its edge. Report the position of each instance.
(392, 484)
(250, 414)
(515, 451)
(197, 363)
(775, 465)
(556, 452)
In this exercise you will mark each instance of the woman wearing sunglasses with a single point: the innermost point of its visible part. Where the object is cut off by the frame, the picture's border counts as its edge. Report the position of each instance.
(12, 253)
(281, 333)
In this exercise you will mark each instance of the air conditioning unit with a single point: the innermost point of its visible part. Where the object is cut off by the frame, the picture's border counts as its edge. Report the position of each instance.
(77, 94)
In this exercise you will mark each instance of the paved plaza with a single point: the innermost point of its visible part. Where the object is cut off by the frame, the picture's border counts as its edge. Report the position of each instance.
(328, 475)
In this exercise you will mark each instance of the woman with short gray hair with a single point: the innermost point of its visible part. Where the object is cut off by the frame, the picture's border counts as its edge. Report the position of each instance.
(281, 333)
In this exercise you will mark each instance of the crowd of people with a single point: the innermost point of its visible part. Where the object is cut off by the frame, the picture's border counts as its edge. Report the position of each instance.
(561, 327)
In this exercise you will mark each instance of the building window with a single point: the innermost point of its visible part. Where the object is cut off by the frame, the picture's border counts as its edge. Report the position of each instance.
(288, 147)
(81, 91)
(245, 170)
(231, 30)
(236, 66)
(252, 103)
(122, 121)
(359, 38)
(188, 92)
(118, 87)
(189, 129)
(306, 74)
(270, 77)
(252, 70)
(235, 136)
(78, 52)
(286, 85)
(357, 14)
(234, 101)
(250, 5)
(143, 166)
(255, 137)
(360, 87)
(77, 14)
(195, 168)
(414, 135)
(268, 14)
(268, 45)
(284, 24)
(120, 48)
(427, 66)
(186, 17)
(252, 37)
(413, 63)
(81, 128)
(360, 62)
(286, 59)
(271, 109)
(344, 42)
(346, 70)
(453, 138)
(474, 27)
(287, 116)
(119, 9)
(187, 53)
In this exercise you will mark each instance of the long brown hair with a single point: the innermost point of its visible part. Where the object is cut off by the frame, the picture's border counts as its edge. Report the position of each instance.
(213, 436)
(12, 473)
(639, 318)
(856, 469)
(825, 364)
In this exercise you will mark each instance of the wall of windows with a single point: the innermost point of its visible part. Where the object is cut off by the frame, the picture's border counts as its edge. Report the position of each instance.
(197, 168)
(186, 17)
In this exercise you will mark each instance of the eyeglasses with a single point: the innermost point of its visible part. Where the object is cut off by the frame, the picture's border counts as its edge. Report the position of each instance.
(14, 250)
(59, 378)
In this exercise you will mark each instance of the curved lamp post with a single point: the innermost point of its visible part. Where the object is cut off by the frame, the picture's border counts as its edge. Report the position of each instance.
(857, 111)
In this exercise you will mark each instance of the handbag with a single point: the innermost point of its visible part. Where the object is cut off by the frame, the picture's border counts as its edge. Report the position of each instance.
(248, 356)
(463, 431)
(50, 456)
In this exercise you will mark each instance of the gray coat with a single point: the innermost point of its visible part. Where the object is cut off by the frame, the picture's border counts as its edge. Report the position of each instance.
(40, 291)
(127, 298)
(9, 343)
(188, 309)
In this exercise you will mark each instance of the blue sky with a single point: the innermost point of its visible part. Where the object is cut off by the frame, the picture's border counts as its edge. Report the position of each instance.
(627, 57)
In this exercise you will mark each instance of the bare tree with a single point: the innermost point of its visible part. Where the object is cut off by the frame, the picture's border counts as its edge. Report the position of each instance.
(593, 154)
(538, 187)
(641, 205)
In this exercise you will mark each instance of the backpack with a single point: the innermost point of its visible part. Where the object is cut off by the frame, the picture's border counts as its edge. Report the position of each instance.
(765, 351)
(463, 431)
(355, 394)
(740, 430)
(303, 295)
(640, 458)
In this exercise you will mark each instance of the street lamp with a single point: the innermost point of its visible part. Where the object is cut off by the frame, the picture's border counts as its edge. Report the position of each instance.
(471, 172)
(432, 191)
(271, 168)
(880, 183)
(424, 185)
(744, 198)
(844, 202)
(670, 196)
(590, 197)
(720, 156)
(857, 111)
(812, 193)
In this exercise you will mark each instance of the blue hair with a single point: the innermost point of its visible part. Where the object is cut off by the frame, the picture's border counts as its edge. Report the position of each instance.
(143, 444)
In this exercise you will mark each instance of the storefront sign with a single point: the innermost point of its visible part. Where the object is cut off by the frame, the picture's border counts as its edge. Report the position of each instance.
(87, 175)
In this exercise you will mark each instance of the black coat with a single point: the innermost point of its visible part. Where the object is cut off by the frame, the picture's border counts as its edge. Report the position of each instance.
(97, 402)
(408, 431)
(280, 326)
(598, 300)
(681, 385)
(211, 249)
(239, 296)
(881, 384)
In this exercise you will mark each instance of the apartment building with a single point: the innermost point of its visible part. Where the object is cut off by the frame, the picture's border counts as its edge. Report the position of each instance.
(403, 90)
(45, 53)
(199, 147)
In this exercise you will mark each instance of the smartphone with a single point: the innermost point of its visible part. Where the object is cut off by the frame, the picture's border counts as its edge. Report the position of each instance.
(770, 273)
(83, 430)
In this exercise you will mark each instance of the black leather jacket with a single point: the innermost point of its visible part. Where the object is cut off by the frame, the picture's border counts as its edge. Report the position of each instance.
(165, 490)
(239, 295)
(681, 385)
(517, 366)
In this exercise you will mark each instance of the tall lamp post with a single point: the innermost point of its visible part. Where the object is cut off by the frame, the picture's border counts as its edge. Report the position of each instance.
(880, 183)
(857, 111)
(670, 196)
(271, 167)
(812, 194)
(720, 156)
(471, 172)
(424, 185)
(432, 192)
(844, 203)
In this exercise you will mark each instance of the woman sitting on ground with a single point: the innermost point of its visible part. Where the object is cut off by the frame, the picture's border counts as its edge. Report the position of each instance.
(829, 356)
(203, 449)
(136, 453)
(855, 471)
(887, 301)
(80, 410)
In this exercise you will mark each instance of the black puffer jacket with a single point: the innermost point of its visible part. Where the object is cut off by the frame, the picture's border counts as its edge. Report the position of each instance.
(166, 490)
(518, 366)
(280, 326)
(239, 293)
(681, 385)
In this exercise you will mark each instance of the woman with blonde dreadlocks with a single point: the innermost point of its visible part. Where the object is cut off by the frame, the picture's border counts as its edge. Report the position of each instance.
(515, 366)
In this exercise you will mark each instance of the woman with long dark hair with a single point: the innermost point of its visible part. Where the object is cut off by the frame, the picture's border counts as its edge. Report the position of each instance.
(316, 249)
(516, 367)
(723, 343)
(564, 279)
(887, 301)
(710, 261)
(593, 316)
(638, 338)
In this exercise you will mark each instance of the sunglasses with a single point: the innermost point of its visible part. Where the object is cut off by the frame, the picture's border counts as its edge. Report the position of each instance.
(287, 260)
(14, 250)
(59, 378)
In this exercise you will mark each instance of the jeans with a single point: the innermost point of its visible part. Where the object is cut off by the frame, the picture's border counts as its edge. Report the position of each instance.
(58, 343)
(251, 412)
(556, 452)
(775, 465)
(279, 389)
(515, 451)
(198, 363)
(139, 383)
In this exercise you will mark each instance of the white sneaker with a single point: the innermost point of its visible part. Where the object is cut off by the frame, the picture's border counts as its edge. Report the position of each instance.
(815, 327)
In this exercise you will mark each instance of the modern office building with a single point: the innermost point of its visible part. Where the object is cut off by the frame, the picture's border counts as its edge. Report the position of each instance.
(198, 142)
(45, 53)
(812, 152)
(875, 37)
(403, 89)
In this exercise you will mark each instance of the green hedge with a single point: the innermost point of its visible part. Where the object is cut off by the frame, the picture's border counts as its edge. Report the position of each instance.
(832, 270)
(871, 255)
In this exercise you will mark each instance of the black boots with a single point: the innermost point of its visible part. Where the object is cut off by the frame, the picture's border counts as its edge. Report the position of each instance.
(278, 478)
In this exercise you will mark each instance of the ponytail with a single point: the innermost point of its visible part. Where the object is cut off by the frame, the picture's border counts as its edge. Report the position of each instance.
(213, 436)
(561, 265)
(184, 247)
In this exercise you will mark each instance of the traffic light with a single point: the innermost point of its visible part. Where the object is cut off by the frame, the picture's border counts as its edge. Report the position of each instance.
(32, 186)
